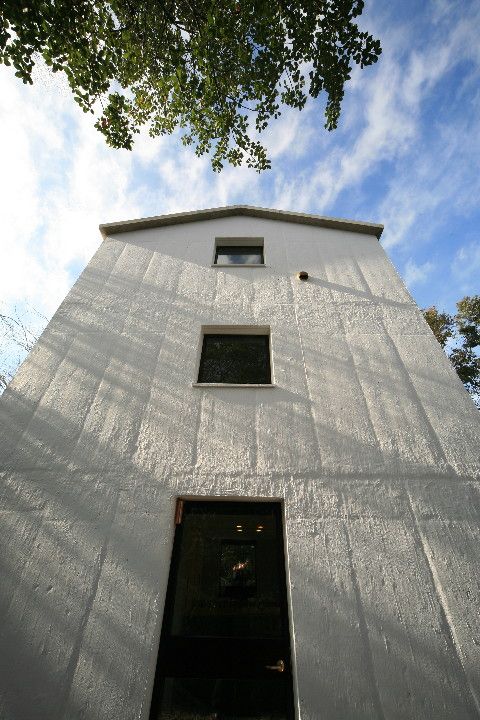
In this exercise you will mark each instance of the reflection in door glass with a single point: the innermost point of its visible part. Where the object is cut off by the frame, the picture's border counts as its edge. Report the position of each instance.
(228, 580)
(237, 570)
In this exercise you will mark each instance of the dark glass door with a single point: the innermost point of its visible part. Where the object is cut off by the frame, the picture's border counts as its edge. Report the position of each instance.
(225, 649)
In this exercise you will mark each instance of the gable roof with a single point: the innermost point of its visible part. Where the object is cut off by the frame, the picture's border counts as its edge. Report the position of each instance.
(247, 210)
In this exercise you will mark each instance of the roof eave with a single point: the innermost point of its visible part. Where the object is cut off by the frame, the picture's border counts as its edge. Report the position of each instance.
(356, 226)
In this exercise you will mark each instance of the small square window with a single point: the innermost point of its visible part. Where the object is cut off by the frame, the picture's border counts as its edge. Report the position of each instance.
(235, 359)
(239, 251)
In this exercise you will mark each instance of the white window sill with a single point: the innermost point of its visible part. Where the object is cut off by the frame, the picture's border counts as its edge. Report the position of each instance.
(238, 265)
(234, 385)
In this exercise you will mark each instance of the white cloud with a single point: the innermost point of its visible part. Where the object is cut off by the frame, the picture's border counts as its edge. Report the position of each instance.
(434, 184)
(376, 126)
(290, 135)
(383, 122)
(466, 268)
(21, 215)
(62, 181)
(442, 175)
(415, 274)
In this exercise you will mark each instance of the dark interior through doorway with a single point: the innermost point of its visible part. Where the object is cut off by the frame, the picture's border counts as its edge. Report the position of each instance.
(225, 646)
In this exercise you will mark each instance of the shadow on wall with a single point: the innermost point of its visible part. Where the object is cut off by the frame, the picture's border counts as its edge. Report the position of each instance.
(102, 432)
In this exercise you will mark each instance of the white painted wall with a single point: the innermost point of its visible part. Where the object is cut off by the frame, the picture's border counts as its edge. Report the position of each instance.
(369, 438)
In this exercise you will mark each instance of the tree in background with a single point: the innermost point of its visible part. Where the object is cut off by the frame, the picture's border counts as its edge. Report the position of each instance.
(17, 338)
(219, 70)
(459, 335)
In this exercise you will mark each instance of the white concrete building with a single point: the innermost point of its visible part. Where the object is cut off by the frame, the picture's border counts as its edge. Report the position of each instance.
(189, 362)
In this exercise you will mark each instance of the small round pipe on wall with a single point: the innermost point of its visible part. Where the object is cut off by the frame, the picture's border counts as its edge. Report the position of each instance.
(302, 275)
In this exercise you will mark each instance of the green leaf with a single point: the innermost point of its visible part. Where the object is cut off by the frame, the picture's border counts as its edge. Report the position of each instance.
(219, 70)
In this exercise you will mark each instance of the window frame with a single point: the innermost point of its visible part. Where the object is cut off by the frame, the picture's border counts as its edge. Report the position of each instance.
(234, 330)
(238, 242)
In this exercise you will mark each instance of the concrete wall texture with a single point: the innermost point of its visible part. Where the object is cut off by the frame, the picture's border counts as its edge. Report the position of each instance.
(368, 437)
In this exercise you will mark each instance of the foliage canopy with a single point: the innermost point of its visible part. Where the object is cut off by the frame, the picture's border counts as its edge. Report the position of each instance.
(219, 70)
(462, 333)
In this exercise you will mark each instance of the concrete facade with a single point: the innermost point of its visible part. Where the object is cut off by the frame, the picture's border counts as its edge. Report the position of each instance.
(369, 438)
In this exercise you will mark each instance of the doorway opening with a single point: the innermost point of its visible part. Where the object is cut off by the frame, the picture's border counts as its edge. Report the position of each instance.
(225, 644)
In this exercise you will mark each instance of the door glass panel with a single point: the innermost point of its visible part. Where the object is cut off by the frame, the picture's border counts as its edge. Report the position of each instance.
(225, 649)
(223, 699)
(228, 576)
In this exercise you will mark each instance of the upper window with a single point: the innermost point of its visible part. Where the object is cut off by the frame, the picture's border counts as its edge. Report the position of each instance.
(235, 359)
(239, 255)
(239, 251)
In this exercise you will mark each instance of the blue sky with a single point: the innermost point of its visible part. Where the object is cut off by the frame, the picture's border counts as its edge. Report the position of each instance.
(406, 154)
